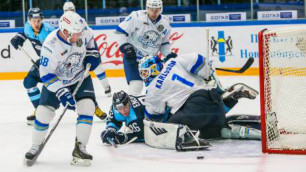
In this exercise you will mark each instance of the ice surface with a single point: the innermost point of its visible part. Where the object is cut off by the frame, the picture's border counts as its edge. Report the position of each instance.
(224, 155)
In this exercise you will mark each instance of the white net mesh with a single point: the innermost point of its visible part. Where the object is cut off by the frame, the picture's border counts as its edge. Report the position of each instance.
(284, 84)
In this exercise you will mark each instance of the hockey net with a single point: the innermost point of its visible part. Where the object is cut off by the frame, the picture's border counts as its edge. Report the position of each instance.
(282, 82)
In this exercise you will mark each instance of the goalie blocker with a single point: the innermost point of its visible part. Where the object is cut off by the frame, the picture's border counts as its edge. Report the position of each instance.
(172, 136)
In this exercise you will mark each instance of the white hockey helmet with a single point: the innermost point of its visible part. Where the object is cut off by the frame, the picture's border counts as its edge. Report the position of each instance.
(155, 4)
(72, 22)
(68, 6)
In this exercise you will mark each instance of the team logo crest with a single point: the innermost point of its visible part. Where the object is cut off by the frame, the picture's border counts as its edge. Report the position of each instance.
(221, 46)
(160, 28)
(70, 65)
(149, 39)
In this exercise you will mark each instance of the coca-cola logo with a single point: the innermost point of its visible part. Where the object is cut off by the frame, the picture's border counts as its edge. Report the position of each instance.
(110, 52)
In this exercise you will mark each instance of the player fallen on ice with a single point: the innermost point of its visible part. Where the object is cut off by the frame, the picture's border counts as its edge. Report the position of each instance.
(36, 31)
(126, 109)
(63, 60)
(188, 86)
(99, 71)
(143, 33)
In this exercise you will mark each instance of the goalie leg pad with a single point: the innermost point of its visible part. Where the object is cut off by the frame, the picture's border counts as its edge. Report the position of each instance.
(171, 136)
(240, 132)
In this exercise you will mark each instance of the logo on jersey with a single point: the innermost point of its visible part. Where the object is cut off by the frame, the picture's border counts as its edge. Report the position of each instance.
(70, 66)
(157, 131)
(160, 28)
(149, 39)
(221, 46)
(66, 20)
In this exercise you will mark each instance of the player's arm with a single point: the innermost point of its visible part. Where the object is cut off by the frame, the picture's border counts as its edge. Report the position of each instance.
(165, 48)
(197, 65)
(112, 127)
(20, 37)
(92, 53)
(155, 109)
(123, 31)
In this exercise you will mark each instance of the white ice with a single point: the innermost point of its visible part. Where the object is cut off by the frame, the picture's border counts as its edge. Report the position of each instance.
(224, 155)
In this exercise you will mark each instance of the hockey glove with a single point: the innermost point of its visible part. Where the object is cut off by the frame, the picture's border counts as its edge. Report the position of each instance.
(18, 40)
(66, 98)
(169, 56)
(109, 133)
(128, 50)
(92, 57)
(120, 138)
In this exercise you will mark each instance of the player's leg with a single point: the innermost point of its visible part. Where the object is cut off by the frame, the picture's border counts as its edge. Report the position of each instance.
(85, 108)
(202, 111)
(100, 72)
(44, 114)
(30, 84)
(133, 78)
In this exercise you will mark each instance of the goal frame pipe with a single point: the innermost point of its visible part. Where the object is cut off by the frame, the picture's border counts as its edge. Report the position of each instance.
(262, 77)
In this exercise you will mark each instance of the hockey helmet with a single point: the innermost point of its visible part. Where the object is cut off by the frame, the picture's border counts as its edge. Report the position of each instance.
(35, 13)
(68, 6)
(120, 99)
(149, 67)
(72, 22)
(155, 4)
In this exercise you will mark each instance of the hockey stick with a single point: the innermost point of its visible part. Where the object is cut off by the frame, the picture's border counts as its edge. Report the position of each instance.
(24, 51)
(41, 147)
(111, 141)
(242, 69)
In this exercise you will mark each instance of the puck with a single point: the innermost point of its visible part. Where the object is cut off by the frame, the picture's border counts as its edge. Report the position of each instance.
(200, 157)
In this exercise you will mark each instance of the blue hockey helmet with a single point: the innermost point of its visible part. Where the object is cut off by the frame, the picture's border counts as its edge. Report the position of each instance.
(35, 13)
(149, 67)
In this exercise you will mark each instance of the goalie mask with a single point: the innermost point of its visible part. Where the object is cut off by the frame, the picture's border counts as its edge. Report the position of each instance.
(149, 67)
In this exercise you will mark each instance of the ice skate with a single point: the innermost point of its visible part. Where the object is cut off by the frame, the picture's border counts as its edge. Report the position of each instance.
(100, 114)
(31, 118)
(80, 155)
(240, 90)
(108, 91)
(31, 155)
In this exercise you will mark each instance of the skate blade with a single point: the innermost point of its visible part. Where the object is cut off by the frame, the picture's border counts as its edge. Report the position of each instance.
(28, 162)
(80, 162)
(30, 122)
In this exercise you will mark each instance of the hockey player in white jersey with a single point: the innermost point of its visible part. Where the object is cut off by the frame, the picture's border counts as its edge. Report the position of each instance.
(143, 33)
(99, 71)
(189, 87)
(63, 57)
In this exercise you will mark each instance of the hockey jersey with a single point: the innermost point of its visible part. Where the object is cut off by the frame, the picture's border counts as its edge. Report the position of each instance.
(37, 40)
(134, 121)
(147, 37)
(179, 78)
(61, 63)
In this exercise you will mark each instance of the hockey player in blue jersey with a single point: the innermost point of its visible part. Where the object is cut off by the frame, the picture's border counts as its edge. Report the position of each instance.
(143, 33)
(36, 32)
(189, 87)
(126, 109)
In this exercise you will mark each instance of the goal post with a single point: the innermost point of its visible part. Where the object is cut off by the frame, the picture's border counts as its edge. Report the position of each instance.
(282, 70)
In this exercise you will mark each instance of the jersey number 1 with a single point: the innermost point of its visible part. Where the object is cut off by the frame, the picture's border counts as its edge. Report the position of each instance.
(182, 80)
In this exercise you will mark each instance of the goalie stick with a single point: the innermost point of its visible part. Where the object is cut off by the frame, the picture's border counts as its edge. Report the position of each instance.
(25, 52)
(41, 147)
(242, 69)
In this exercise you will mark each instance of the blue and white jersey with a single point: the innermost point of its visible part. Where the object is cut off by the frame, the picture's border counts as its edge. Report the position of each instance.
(61, 63)
(134, 121)
(146, 36)
(37, 39)
(179, 78)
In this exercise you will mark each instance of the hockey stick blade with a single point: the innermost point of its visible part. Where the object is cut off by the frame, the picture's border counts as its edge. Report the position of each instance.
(245, 67)
(30, 162)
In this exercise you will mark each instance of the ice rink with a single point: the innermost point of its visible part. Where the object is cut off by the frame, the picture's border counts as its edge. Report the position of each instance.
(223, 156)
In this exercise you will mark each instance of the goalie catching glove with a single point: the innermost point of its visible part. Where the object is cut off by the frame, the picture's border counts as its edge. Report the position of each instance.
(112, 134)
